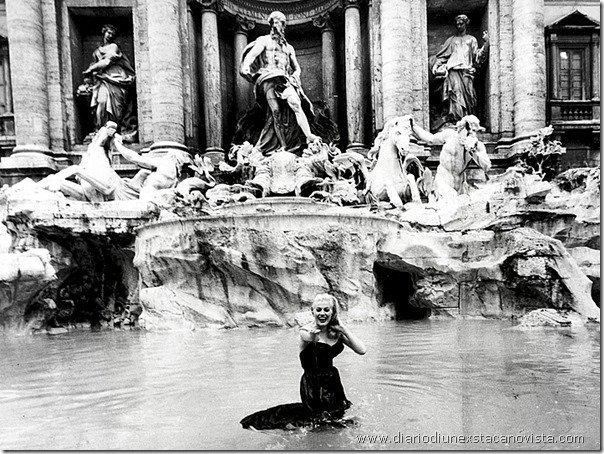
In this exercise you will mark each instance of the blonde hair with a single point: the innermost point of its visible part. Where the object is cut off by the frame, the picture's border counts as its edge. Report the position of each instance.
(326, 297)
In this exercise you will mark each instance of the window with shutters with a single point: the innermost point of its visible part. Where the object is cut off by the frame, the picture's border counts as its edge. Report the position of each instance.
(571, 76)
(573, 69)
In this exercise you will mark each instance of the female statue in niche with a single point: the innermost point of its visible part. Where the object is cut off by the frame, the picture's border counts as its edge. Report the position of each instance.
(454, 67)
(110, 80)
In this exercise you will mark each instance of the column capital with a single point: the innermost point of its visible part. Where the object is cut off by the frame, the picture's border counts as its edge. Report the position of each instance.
(352, 3)
(323, 22)
(243, 25)
(208, 5)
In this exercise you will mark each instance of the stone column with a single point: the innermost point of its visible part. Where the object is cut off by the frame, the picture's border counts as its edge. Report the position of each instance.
(375, 38)
(210, 62)
(595, 66)
(242, 86)
(528, 66)
(28, 72)
(190, 77)
(328, 60)
(354, 75)
(506, 72)
(397, 57)
(493, 69)
(420, 94)
(165, 55)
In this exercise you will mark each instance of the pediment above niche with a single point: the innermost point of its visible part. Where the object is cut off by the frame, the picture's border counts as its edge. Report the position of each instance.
(296, 11)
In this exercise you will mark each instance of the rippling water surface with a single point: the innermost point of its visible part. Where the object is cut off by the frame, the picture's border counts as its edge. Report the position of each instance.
(436, 380)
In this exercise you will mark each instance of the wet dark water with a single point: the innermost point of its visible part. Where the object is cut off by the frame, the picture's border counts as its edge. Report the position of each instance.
(422, 384)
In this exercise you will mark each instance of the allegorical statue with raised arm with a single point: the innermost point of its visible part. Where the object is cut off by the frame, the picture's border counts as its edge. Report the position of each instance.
(111, 78)
(270, 63)
(455, 66)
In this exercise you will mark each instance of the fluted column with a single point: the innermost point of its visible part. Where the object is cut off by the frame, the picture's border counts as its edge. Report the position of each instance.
(167, 96)
(28, 73)
(528, 66)
(210, 61)
(328, 60)
(354, 74)
(397, 57)
(242, 86)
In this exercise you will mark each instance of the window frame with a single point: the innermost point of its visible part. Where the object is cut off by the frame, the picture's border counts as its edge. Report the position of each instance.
(559, 43)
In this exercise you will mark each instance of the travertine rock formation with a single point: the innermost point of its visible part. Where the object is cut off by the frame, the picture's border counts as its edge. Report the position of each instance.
(264, 269)
(499, 252)
(64, 262)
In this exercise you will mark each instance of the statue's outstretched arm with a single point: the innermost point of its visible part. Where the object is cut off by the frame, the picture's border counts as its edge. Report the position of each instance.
(133, 156)
(425, 136)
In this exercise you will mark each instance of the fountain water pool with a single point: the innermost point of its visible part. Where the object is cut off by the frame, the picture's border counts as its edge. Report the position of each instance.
(122, 389)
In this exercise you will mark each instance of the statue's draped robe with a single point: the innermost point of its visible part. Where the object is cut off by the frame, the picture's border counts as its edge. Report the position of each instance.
(460, 55)
(264, 79)
(113, 85)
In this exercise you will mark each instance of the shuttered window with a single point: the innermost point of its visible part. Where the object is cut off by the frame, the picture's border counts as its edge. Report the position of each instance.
(571, 78)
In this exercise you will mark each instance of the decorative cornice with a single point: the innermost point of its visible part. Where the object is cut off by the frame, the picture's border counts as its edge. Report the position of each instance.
(296, 11)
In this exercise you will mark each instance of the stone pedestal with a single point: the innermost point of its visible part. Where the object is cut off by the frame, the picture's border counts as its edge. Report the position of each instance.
(242, 86)
(167, 98)
(30, 164)
(210, 61)
(354, 75)
(328, 61)
(528, 66)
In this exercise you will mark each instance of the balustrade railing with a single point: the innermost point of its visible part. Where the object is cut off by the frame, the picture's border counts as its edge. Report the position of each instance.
(561, 111)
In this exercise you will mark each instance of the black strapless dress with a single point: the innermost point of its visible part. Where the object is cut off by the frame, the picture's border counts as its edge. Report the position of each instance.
(322, 393)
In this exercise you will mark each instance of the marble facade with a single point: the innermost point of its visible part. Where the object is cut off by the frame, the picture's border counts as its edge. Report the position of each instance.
(368, 60)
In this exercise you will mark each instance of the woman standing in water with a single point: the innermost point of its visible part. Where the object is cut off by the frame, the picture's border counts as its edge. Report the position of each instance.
(321, 390)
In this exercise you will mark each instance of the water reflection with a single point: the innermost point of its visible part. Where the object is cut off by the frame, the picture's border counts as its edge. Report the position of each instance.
(138, 390)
